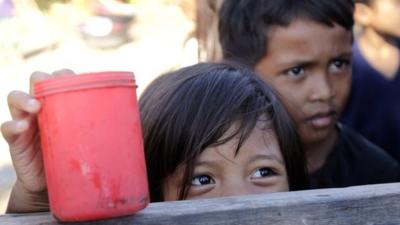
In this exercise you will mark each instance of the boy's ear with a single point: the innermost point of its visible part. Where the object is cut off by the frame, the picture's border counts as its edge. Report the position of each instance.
(363, 14)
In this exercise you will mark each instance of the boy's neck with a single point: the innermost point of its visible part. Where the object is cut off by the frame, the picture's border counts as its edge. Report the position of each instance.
(380, 51)
(317, 153)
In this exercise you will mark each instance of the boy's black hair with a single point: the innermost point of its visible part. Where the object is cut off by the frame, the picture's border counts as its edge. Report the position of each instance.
(186, 111)
(244, 25)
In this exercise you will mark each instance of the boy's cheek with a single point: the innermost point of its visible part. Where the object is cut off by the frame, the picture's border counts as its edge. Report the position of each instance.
(342, 92)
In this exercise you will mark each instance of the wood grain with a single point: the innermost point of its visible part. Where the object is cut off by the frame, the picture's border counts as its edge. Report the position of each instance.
(369, 205)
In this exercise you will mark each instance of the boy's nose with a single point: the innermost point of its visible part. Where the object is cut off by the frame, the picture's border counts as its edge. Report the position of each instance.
(322, 88)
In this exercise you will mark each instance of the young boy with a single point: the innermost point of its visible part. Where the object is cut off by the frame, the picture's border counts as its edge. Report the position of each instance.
(376, 75)
(303, 49)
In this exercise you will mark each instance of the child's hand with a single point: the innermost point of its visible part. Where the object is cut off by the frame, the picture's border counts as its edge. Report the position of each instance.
(29, 192)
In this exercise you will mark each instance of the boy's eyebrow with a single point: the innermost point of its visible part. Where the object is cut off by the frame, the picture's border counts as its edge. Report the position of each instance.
(345, 55)
(309, 62)
(297, 62)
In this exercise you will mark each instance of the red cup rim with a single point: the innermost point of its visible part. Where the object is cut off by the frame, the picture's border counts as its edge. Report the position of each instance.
(84, 81)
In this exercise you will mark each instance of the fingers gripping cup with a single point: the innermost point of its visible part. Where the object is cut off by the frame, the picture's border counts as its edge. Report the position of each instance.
(92, 146)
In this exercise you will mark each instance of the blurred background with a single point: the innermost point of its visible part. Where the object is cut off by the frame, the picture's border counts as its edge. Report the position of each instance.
(148, 37)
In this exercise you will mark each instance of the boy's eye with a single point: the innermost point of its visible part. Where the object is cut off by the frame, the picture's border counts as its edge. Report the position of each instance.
(295, 71)
(339, 65)
(202, 180)
(262, 172)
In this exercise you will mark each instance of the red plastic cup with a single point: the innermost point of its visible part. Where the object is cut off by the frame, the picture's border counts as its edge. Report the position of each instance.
(92, 146)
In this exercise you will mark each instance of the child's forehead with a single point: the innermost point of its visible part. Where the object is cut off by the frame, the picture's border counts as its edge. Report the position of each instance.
(262, 140)
(305, 35)
(300, 25)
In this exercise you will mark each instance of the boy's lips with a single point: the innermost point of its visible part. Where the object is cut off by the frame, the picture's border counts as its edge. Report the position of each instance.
(322, 119)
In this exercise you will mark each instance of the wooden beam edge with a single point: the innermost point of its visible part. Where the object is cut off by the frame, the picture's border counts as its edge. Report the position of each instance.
(359, 202)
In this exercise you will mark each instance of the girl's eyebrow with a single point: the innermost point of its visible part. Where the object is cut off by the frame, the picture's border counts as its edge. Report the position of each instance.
(270, 157)
(209, 163)
(218, 163)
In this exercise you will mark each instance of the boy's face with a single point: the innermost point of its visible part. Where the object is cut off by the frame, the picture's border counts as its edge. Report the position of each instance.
(258, 167)
(384, 16)
(309, 64)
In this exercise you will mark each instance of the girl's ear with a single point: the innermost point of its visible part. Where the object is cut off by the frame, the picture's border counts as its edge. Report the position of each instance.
(363, 14)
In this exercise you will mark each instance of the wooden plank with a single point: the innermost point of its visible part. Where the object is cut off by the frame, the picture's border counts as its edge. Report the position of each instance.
(370, 205)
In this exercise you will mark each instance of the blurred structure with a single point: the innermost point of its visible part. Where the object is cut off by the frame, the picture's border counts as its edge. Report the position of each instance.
(6, 8)
(373, 107)
(207, 30)
(160, 31)
(109, 25)
(25, 31)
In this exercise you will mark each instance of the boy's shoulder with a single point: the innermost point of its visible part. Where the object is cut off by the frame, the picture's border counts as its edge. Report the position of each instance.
(353, 144)
(355, 161)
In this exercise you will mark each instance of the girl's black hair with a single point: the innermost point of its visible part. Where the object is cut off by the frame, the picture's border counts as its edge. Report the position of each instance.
(245, 25)
(186, 111)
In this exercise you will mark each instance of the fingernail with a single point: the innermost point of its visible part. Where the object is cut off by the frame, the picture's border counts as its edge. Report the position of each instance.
(33, 104)
(21, 125)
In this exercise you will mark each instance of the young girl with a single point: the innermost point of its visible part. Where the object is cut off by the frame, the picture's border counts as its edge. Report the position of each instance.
(209, 130)
(213, 130)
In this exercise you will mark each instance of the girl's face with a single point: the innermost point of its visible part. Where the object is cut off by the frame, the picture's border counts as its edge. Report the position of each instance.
(257, 168)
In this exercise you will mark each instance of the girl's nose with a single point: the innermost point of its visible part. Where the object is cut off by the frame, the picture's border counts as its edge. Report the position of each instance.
(236, 188)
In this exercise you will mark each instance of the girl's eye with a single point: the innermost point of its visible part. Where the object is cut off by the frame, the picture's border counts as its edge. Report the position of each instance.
(202, 180)
(295, 71)
(339, 65)
(263, 172)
